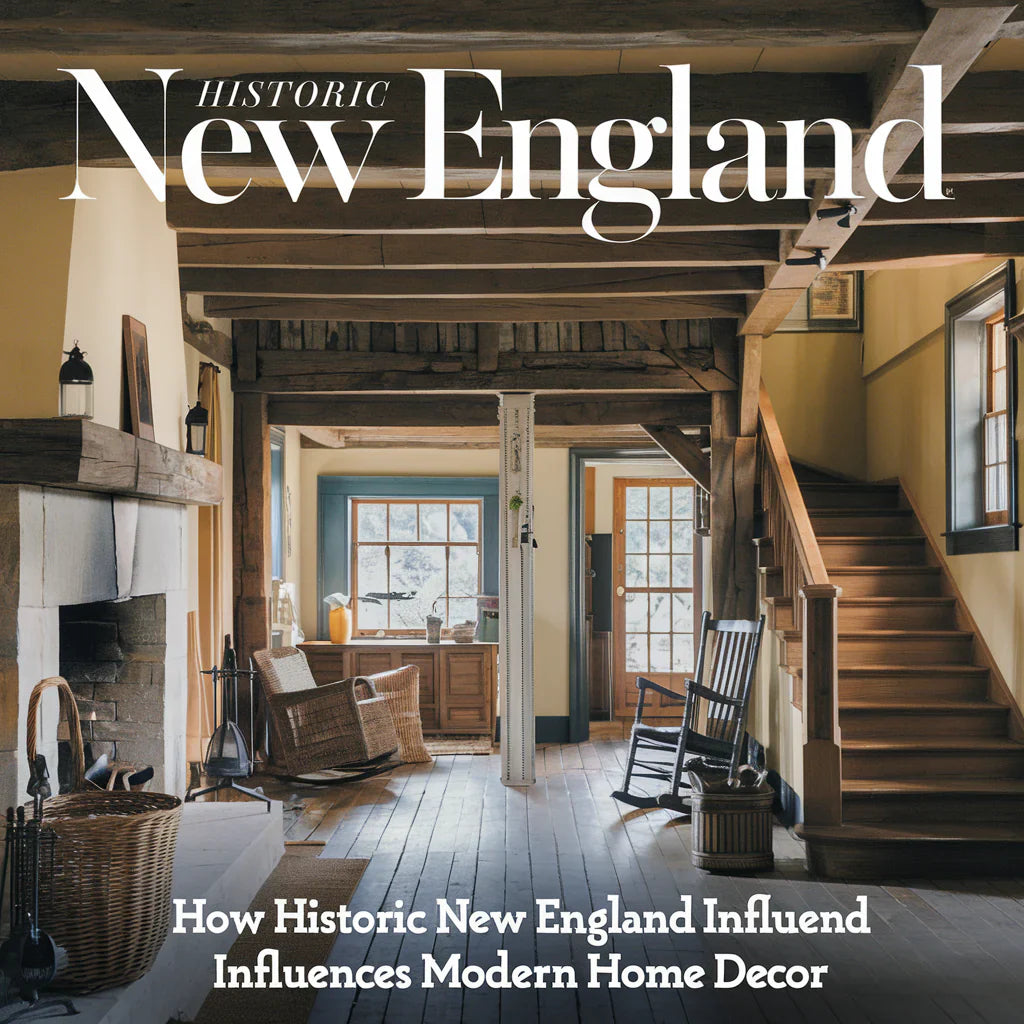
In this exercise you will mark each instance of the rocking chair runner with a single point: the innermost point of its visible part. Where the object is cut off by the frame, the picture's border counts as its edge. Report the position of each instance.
(344, 725)
(714, 715)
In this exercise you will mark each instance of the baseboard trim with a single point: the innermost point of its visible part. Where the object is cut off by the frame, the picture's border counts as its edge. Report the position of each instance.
(787, 801)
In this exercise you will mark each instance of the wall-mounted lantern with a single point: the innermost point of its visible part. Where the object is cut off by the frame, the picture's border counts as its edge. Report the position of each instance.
(76, 386)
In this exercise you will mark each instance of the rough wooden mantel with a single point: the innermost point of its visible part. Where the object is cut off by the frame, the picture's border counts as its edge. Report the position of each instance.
(87, 456)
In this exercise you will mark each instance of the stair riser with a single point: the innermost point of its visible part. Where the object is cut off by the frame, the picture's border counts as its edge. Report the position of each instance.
(938, 687)
(906, 651)
(939, 808)
(925, 616)
(920, 584)
(867, 725)
(838, 554)
(925, 764)
(850, 497)
(859, 525)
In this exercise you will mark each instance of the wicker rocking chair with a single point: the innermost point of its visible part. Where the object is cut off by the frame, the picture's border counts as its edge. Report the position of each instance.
(344, 729)
(714, 714)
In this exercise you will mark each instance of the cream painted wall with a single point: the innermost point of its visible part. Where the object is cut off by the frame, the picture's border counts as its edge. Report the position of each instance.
(124, 259)
(34, 260)
(906, 436)
(551, 487)
(816, 387)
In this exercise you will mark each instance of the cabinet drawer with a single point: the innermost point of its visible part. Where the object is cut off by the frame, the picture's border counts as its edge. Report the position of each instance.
(430, 718)
(328, 666)
(466, 718)
(366, 663)
(466, 677)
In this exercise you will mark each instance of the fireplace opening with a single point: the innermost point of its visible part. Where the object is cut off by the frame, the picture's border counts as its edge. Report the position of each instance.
(113, 654)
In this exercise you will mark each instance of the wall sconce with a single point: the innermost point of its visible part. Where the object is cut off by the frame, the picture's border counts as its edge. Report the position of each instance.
(76, 386)
(197, 421)
(816, 258)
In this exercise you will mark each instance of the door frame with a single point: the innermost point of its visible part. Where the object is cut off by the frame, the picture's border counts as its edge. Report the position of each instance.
(579, 684)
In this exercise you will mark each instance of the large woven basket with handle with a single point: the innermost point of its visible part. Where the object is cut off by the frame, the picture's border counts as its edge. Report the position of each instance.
(106, 899)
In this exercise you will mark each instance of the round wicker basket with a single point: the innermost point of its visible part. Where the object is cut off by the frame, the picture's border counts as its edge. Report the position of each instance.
(105, 897)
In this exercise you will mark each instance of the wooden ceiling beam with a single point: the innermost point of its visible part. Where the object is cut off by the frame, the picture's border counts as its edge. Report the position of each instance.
(683, 451)
(435, 252)
(977, 201)
(275, 26)
(389, 211)
(469, 437)
(954, 39)
(471, 284)
(685, 409)
(928, 245)
(492, 310)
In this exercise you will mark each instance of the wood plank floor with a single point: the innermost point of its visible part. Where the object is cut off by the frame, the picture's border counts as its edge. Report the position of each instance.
(938, 951)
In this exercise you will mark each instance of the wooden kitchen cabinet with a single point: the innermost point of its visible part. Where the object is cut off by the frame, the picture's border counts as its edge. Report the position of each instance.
(458, 682)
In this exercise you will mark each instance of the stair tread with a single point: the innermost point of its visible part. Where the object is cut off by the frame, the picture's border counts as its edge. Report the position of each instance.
(854, 512)
(917, 787)
(888, 601)
(922, 706)
(945, 743)
(910, 831)
(863, 570)
(892, 634)
(910, 669)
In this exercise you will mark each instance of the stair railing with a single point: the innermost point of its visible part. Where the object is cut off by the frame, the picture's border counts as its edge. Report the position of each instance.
(787, 524)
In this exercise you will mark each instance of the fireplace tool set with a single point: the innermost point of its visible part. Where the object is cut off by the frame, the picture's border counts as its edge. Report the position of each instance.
(29, 958)
(227, 754)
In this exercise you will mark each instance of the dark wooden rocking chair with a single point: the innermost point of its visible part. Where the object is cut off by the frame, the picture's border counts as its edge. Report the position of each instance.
(714, 714)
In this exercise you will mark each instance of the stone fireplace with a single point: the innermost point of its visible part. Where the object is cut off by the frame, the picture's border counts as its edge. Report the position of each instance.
(94, 588)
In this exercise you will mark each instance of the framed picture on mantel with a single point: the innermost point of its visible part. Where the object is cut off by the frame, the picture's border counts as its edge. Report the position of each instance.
(136, 368)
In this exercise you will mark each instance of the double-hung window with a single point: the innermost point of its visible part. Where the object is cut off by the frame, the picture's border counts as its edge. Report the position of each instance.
(981, 390)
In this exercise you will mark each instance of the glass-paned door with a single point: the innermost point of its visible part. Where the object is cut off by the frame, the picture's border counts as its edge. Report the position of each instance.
(656, 602)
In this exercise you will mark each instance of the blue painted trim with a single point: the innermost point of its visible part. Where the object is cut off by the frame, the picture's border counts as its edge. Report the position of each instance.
(548, 729)
(787, 801)
(334, 535)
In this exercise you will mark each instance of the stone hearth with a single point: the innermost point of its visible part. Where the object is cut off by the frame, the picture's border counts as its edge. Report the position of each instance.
(123, 558)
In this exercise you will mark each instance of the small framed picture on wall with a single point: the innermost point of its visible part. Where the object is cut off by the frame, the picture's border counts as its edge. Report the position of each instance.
(136, 366)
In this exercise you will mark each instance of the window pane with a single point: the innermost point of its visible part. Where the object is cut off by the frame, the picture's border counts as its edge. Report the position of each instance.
(661, 613)
(373, 616)
(999, 391)
(659, 568)
(461, 611)
(419, 571)
(682, 570)
(682, 537)
(1001, 487)
(659, 536)
(636, 502)
(659, 503)
(998, 346)
(464, 573)
(402, 522)
(636, 652)
(661, 652)
(433, 522)
(636, 570)
(682, 652)
(682, 613)
(465, 522)
(682, 502)
(636, 613)
(373, 521)
(636, 536)
(372, 571)
(991, 489)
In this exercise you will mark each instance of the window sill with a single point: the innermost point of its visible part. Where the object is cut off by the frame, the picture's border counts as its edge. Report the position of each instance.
(982, 539)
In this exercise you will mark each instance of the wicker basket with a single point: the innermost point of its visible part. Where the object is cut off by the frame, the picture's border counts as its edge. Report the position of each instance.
(107, 898)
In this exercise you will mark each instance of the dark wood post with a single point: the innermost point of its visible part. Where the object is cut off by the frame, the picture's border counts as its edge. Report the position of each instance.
(733, 471)
(823, 773)
(250, 509)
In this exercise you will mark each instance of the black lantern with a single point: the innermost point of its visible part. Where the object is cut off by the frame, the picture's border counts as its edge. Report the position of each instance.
(197, 420)
(76, 386)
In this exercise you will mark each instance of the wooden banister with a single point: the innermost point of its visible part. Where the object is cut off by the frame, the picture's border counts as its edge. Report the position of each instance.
(805, 581)
(792, 500)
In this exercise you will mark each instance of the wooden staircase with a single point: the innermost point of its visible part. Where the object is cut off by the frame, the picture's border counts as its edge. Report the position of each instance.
(931, 740)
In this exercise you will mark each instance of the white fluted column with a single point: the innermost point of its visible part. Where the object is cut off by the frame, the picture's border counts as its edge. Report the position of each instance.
(515, 498)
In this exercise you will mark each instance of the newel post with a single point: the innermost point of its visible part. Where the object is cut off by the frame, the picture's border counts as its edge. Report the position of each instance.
(823, 770)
